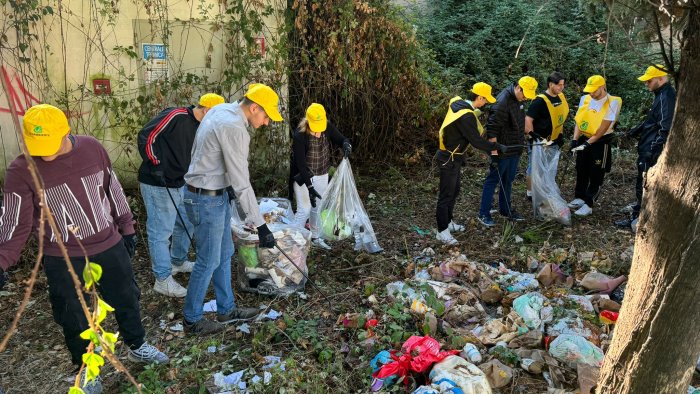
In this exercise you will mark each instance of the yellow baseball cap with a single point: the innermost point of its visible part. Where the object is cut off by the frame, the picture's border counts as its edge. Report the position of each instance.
(265, 97)
(44, 128)
(594, 83)
(316, 115)
(529, 86)
(211, 100)
(484, 90)
(653, 72)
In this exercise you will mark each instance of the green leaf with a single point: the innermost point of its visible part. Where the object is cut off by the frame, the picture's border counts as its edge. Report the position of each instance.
(90, 335)
(91, 274)
(75, 390)
(102, 309)
(93, 362)
(110, 339)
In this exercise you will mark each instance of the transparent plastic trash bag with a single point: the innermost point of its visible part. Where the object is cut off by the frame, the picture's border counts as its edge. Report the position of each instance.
(342, 213)
(547, 202)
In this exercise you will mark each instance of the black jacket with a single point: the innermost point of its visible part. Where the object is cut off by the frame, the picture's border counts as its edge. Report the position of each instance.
(653, 132)
(463, 132)
(507, 121)
(300, 145)
(165, 145)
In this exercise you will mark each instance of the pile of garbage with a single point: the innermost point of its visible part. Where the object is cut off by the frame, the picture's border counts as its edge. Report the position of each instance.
(276, 271)
(544, 325)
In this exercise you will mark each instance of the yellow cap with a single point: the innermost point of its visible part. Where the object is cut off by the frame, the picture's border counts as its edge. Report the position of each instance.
(529, 86)
(653, 72)
(44, 129)
(265, 97)
(594, 83)
(211, 100)
(316, 115)
(484, 90)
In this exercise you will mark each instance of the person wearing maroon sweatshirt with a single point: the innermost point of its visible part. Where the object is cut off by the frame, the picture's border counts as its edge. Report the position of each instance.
(90, 209)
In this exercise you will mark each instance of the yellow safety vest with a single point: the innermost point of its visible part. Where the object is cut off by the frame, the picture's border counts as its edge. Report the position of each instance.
(557, 114)
(589, 120)
(451, 117)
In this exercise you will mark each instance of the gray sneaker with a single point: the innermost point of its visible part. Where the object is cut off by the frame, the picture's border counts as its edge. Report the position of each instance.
(92, 387)
(147, 354)
(238, 314)
(202, 327)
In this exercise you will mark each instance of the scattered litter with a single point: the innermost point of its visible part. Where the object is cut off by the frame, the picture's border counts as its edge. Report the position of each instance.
(209, 306)
(575, 349)
(177, 327)
(211, 349)
(271, 314)
(272, 362)
(245, 328)
(420, 231)
(231, 381)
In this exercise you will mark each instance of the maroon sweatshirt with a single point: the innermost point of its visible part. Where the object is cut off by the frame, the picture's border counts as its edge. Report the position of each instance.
(82, 192)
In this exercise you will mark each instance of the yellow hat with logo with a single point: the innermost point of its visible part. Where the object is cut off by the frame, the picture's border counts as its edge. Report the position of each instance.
(210, 100)
(44, 129)
(316, 115)
(653, 72)
(594, 83)
(265, 97)
(484, 90)
(529, 86)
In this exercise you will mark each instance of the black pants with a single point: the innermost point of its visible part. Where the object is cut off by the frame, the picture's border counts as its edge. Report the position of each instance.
(591, 165)
(645, 161)
(449, 189)
(117, 287)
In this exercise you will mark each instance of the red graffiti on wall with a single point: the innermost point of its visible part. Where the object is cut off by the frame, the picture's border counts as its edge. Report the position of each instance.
(19, 97)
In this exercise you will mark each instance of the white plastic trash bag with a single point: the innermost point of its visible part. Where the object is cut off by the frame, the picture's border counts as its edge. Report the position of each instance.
(457, 371)
(546, 196)
(342, 212)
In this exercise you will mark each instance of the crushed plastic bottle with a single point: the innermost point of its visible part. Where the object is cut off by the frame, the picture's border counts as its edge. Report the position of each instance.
(471, 352)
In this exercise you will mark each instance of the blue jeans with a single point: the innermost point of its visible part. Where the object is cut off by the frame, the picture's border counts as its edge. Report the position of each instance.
(211, 217)
(168, 243)
(503, 177)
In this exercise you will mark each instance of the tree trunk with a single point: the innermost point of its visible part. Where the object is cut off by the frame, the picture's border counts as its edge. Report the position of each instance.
(656, 342)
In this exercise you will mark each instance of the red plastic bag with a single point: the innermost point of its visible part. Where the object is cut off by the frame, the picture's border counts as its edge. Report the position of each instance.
(417, 355)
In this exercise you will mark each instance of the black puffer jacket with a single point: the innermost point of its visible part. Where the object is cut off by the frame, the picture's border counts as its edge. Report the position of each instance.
(507, 121)
(653, 132)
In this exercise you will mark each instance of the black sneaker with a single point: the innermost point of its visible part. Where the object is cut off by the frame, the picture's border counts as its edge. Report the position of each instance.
(624, 223)
(202, 327)
(238, 314)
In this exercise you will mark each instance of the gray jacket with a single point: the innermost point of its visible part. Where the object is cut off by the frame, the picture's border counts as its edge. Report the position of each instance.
(220, 157)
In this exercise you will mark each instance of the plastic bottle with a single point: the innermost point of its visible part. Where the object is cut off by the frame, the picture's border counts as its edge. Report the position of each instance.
(418, 306)
(471, 352)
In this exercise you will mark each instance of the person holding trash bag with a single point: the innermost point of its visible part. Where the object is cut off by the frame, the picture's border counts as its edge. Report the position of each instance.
(460, 129)
(506, 124)
(311, 159)
(165, 145)
(597, 113)
(219, 160)
(95, 223)
(653, 132)
(544, 120)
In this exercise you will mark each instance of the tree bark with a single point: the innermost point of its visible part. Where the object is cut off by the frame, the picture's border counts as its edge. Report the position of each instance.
(656, 341)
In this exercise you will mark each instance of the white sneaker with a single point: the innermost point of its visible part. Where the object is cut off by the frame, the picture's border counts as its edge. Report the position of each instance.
(576, 203)
(187, 266)
(147, 354)
(445, 237)
(585, 210)
(318, 242)
(455, 227)
(169, 287)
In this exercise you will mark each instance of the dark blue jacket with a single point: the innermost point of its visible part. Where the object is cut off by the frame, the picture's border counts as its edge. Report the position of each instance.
(507, 121)
(653, 132)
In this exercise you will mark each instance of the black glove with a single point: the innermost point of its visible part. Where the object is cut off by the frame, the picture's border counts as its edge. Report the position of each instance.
(347, 149)
(585, 145)
(574, 143)
(160, 177)
(534, 136)
(313, 195)
(130, 244)
(267, 240)
(3, 278)
(501, 148)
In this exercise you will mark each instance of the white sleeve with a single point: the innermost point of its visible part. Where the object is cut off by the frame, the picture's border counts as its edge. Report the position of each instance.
(613, 110)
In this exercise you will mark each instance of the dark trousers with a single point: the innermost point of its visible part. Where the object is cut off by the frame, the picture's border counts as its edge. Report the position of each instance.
(644, 163)
(501, 174)
(117, 287)
(591, 165)
(450, 174)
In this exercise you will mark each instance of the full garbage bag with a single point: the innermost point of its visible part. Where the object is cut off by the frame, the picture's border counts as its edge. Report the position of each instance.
(465, 375)
(269, 271)
(342, 213)
(546, 196)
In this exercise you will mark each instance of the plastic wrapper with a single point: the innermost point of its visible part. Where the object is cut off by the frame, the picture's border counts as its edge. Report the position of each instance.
(460, 373)
(342, 213)
(575, 349)
(269, 271)
(546, 196)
